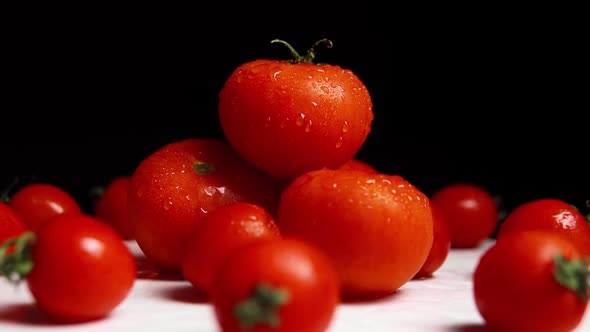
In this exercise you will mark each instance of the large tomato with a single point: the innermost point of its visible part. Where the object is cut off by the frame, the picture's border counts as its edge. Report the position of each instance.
(376, 228)
(531, 281)
(289, 117)
(549, 214)
(281, 285)
(174, 187)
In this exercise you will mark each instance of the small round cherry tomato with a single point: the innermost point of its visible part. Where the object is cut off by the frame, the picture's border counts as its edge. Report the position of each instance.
(471, 213)
(549, 214)
(220, 231)
(281, 285)
(531, 281)
(441, 245)
(37, 203)
(111, 207)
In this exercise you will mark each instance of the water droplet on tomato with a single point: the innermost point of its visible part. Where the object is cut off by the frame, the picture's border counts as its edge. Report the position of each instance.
(325, 89)
(267, 121)
(308, 126)
(168, 204)
(315, 104)
(300, 119)
(345, 127)
(339, 142)
(275, 74)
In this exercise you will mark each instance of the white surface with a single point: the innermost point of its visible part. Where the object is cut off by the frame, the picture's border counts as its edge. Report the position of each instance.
(441, 303)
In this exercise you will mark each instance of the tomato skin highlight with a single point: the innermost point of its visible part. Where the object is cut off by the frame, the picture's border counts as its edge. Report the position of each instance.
(111, 207)
(301, 270)
(174, 187)
(221, 231)
(289, 118)
(514, 287)
(471, 213)
(82, 269)
(37, 203)
(552, 215)
(376, 228)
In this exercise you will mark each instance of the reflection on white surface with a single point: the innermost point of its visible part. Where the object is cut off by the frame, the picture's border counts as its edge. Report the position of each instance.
(441, 303)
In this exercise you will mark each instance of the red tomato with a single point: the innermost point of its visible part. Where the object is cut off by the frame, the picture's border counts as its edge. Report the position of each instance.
(11, 224)
(471, 213)
(376, 228)
(220, 231)
(111, 207)
(357, 164)
(173, 188)
(37, 203)
(290, 117)
(516, 288)
(441, 244)
(280, 285)
(549, 214)
(82, 268)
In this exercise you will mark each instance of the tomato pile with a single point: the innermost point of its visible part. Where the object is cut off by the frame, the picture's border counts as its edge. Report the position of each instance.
(284, 204)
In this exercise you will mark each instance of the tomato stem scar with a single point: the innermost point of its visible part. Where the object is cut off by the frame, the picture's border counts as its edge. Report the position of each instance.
(574, 275)
(203, 168)
(15, 256)
(311, 53)
(261, 307)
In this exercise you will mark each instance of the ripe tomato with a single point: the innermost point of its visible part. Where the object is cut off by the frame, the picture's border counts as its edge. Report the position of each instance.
(520, 282)
(441, 244)
(290, 117)
(81, 268)
(281, 285)
(357, 164)
(220, 231)
(11, 224)
(549, 214)
(37, 203)
(471, 213)
(376, 228)
(174, 187)
(111, 207)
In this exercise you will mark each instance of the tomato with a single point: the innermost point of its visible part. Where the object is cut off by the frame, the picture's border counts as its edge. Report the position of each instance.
(520, 283)
(111, 207)
(357, 164)
(471, 213)
(220, 231)
(81, 268)
(281, 285)
(376, 228)
(290, 117)
(549, 214)
(11, 224)
(174, 187)
(37, 203)
(441, 244)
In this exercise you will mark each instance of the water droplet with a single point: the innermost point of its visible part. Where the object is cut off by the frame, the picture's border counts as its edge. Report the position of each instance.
(188, 197)
(267, 121)
(300, 119)
(275, 74)
(210, 191)
(393, 191)
(325, 89)
(315, 104)
(371, 181)
(203, 210)
(284, 123)
(345, 127)
(168, 204)
(308, 126)
(339, 142)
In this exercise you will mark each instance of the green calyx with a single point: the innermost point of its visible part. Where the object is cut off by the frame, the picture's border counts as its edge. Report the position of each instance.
(574, 275)
(15, 257)
(203, 168)
(310, 56)
(261, 307)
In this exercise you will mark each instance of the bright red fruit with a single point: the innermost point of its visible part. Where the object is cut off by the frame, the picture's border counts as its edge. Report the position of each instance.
(11, 224)
(111, 207)
(441, 244)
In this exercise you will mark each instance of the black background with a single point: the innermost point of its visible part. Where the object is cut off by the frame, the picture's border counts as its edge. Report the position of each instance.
(477, 96)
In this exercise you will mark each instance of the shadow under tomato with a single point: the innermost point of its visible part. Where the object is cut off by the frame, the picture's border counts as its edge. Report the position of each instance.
(184, 293)
(472, 327)
(148, 270)
(369, 299)
(28, 314)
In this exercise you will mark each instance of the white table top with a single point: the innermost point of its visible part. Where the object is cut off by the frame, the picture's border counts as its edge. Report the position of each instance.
(441, 303)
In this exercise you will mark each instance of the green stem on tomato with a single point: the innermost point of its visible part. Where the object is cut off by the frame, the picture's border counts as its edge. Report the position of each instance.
(573, 274)
(4, 195)
(311, 53)
(15, 257)
(261, 307)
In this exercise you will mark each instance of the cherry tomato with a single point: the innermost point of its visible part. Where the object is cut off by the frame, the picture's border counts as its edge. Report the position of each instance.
(220, 231)
(290, 117)
(174, 187)
(11, 224)
(37, 203)
(471, 213)
(111, 207)
(281, 285)
(376, 228)
(549, 214)
(441, 245)
(357, 164)
(531, 281)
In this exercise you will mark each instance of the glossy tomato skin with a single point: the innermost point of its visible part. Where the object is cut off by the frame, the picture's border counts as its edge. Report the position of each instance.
(11, 224)
(514, 287)
(37, 203)
(289, 118)
(549, 214)
(376, 228)
(301, 270)
(221, 231)
(174, 187)
(111, 207)
(82, 269)
(441, 245)
(360, 165)
(471, 213)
